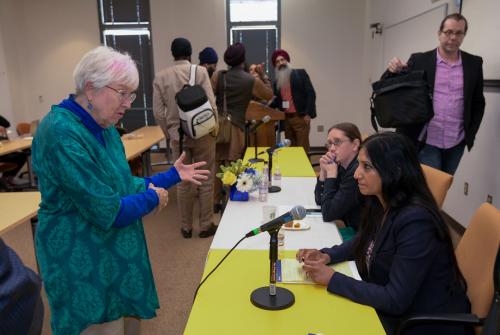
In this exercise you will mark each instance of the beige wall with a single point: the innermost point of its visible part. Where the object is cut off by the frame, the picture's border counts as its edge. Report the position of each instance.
(201, 22)
(42, 42)
(326, 37)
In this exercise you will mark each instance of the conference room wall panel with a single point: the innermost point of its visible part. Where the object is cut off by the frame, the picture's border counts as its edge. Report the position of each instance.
(327, 39)
(42, 42)
(202, 22)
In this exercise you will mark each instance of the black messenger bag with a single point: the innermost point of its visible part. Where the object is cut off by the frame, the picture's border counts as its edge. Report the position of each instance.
(401, 100)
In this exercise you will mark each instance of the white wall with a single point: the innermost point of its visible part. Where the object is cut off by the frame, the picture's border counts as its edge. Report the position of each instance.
(203, 23)
(42, 42)
(480, 167)
(326, 37)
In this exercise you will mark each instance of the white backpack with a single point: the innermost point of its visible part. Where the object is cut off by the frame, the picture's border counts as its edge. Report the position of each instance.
(195, 112)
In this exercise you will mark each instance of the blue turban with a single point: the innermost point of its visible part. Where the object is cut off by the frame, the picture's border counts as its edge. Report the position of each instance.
(208, 56)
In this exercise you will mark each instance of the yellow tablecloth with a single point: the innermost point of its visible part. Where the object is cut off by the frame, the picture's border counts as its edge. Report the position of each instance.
(223, 303)
(292, 161)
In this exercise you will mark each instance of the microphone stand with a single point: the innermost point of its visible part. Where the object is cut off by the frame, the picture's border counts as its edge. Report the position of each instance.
(272, 297)
(272, 189)
(255, 159)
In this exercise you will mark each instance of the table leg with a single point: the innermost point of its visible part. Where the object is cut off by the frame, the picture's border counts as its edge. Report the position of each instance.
(30, 171)
(34, 224)
(146, 163)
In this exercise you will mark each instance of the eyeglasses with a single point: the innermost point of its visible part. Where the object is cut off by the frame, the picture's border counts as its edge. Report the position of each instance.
(336, 143)
(124, 95)
(449, 33)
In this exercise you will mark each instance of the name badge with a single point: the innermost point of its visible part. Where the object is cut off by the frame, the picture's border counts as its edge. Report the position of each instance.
(286, 104)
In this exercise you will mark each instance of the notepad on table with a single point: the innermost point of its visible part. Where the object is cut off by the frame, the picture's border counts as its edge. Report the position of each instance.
(289, 270)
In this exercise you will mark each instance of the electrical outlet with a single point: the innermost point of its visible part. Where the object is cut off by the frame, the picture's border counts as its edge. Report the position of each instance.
(466, 188)
(489, 199)
(321, 129)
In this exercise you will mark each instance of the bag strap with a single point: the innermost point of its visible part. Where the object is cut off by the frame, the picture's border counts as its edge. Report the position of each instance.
(181, 140)
(192, 75)
(372, 116)
(224, 95)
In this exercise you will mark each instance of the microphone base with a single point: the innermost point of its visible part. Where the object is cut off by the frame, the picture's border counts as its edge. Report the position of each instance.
(255, 160)
(274, 189)
(262, 299)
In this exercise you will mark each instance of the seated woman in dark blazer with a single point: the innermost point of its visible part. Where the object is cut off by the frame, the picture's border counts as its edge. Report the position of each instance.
(336, 190)
(403, 249)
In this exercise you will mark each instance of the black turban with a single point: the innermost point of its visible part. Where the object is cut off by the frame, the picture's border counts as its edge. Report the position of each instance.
(181, 47)
(235, 54)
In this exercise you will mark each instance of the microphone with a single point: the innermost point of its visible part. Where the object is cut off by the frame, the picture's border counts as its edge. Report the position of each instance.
(284, 143)
(257, 124)
(296, 213)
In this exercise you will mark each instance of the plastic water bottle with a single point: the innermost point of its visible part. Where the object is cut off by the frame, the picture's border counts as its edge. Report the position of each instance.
(277, 176)
(264, 185)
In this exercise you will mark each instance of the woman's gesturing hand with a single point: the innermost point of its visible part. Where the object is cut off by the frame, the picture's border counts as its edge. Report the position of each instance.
(190, 172)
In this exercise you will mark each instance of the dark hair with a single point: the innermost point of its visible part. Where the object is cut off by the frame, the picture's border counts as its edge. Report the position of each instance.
(349, 129)
(456, 17)
(403, 184)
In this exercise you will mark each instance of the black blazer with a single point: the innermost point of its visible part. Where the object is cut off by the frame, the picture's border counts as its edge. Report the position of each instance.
(411, 272)
(339, 197)
(473, 90)
(303, 94)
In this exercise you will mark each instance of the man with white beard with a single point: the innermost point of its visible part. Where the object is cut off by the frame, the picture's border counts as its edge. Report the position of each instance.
(295, 95)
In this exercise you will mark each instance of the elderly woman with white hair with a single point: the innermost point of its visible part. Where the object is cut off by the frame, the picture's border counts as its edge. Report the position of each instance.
(90, 240)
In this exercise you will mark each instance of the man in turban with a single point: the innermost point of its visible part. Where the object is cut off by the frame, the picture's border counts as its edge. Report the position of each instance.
(295, 95)
(166, 84)
(208, 59)
(240, 87)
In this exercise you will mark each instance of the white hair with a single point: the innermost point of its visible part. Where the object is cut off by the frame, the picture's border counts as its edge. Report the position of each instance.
(102, 66)
(282, 75)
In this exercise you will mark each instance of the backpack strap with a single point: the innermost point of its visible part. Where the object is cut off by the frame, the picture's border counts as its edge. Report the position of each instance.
(192, 75)
(373, 118)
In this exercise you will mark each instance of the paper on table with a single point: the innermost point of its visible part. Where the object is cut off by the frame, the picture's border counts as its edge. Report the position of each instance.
(289, 270)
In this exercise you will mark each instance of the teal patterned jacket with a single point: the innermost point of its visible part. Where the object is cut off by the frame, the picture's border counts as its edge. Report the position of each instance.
(92, 273)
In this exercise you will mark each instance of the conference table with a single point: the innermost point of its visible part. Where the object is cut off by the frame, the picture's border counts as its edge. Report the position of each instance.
(17, 208)
(292, 161)
(139, 142)
(223, 304)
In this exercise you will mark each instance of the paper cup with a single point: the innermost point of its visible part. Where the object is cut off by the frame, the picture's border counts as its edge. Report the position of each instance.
(268, 213)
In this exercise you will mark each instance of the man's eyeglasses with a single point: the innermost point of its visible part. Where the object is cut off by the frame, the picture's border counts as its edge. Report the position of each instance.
(124, 95)
(336, 143)
(449, 33)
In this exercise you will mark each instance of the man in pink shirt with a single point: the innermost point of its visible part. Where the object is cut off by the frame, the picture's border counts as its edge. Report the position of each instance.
(295, 95)
(457, 81)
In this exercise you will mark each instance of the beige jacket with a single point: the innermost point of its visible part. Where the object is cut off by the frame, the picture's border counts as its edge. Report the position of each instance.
(166, 84)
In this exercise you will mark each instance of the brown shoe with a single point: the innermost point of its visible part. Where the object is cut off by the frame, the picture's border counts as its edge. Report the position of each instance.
(209, 232)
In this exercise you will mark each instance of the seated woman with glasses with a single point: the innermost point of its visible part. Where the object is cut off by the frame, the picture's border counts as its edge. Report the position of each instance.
(403, 249)
(336, 190)
(90, 240)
